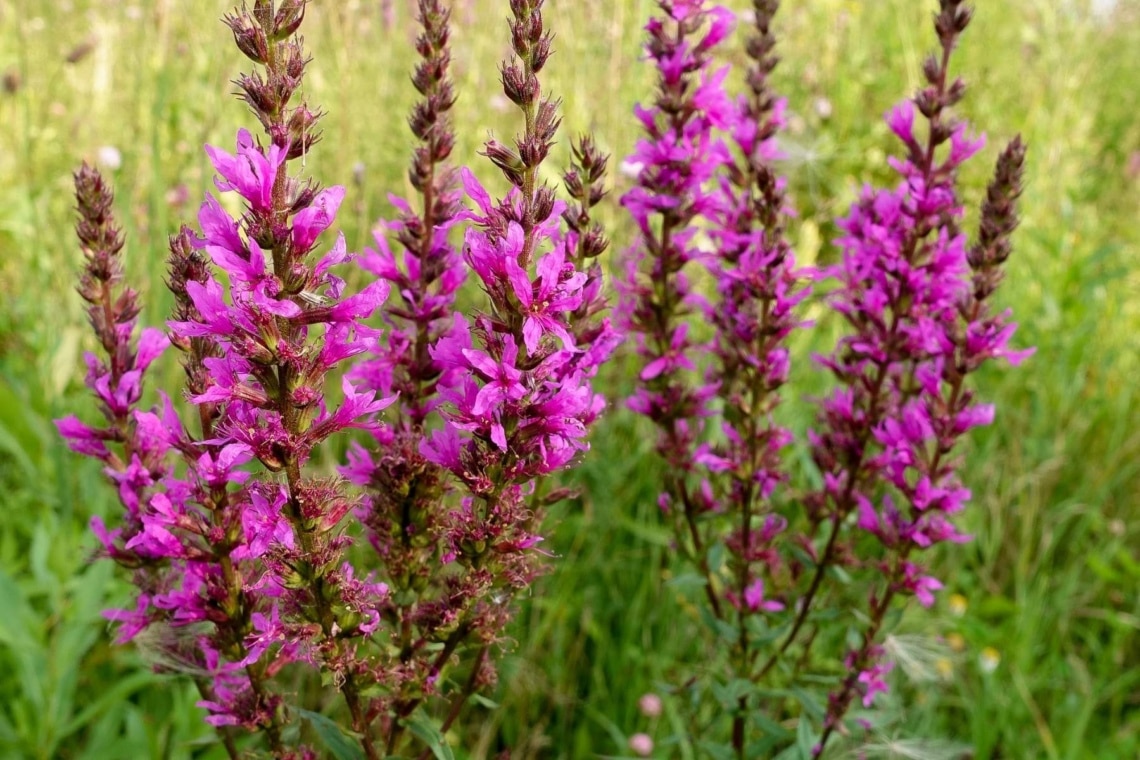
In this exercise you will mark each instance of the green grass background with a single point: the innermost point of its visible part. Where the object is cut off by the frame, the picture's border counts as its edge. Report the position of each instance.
(1049, 588)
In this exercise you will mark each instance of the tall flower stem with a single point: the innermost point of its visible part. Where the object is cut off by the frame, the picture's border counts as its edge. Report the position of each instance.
(405, 507)
(906, 265)
(516, 379)
(670, 196)
(290, 130)
(753, 313)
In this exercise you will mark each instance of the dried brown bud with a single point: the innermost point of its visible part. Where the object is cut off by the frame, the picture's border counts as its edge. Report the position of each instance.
(998, 219)
(96, 227)
(573, 184)
(931, 69)
(540, 53)
(543, 204)
(928, 102)
(302, 135)
(532, 152)
(256, 93)
(263, 13)
(81, 51)
(249, 36)
(12, 81)
(956, 92)
(518, 88)
(507, 160)
(289, 18)
(546, 121)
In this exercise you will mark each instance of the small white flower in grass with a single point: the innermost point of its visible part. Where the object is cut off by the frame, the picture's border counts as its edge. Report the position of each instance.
(109, 157)
(1102, 10)
(499, 103)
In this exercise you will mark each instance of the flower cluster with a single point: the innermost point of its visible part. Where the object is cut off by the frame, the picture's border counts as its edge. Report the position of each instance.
(404, 507)
(133, 443)
(241, 572)
(243, 563)
(707, 192)
(914, 298)
(240, 552)
(676, 161)
(757, 288)
(912, 295)
(430, 271)
(520, 399)
(511, 385)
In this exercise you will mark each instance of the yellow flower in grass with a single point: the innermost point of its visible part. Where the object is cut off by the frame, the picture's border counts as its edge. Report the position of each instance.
(958, 605)
(989, 660)
(956, 642)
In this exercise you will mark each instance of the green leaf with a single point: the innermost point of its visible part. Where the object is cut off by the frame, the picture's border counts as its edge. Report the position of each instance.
(996, 606)
(1130, 565)
(716, 557)
(332, 736)
(774, 732)
(426, 731)
(840, 574)
(655, 535)
(686, 581)
(729, 694)
(482, 701)
(716, 751)
(119, 692)
(805, 738)
(809, 702)
(790, 753)
(722, 628)
(20, 436)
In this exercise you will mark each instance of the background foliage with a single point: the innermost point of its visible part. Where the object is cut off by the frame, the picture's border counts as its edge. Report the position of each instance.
(1034, 648)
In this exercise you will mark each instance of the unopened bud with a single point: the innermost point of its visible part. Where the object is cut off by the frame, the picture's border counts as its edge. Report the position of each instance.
(289, 18)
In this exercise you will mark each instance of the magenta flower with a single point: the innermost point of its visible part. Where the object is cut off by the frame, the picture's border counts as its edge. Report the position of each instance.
(873, 682)
(249, 172)
(674, 359)
(543, 301)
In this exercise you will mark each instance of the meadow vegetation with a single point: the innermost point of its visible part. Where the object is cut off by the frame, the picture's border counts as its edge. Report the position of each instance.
(1033, 648)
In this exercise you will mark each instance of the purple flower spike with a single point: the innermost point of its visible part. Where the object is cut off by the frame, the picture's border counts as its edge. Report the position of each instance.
(914, 295)
(706, 174)
(250, 560)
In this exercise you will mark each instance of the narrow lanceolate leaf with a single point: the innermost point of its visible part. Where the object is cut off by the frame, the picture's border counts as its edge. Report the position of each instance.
(426, 730)
(336, 741)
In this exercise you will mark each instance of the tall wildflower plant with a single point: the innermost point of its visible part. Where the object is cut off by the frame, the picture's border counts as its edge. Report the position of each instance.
(243, 572)
(517, 398)
(241, 552)
(489, 405)
(403, 508)
(914, 293)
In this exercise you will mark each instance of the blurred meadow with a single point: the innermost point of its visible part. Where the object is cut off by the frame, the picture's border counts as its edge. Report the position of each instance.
(1032, 650)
